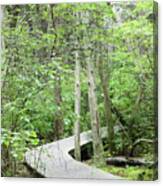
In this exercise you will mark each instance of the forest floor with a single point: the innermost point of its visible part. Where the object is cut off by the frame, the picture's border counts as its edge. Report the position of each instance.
(128, 172)
(22, 170)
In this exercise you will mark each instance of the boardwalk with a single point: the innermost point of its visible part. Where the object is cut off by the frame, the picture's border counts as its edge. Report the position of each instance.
(54, 161)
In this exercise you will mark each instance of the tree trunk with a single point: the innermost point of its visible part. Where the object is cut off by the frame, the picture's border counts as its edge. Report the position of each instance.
(58, 118)
(107, 104)
(77, 108)
(3, 72)
(97, 142)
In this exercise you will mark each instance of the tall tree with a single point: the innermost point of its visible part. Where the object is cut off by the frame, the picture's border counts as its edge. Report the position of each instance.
(77, 92)
(94, 115)
(77, 107)
(95, 124)
(58, 118)
(1, 47)
(104, 78)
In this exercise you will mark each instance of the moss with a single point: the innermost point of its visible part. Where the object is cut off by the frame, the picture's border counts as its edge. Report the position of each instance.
(128, 172)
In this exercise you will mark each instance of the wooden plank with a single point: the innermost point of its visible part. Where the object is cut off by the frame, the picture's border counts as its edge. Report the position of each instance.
(54, 161)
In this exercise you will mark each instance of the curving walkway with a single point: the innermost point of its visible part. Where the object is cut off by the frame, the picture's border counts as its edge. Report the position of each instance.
(54, 161)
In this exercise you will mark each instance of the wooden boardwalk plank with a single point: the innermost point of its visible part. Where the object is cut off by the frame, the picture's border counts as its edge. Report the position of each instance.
(54, 161)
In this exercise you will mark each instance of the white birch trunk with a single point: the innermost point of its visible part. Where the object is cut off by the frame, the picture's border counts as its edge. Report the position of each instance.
(77, 108)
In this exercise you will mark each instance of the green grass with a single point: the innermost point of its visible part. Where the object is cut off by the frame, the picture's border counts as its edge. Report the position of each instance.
(128, 172)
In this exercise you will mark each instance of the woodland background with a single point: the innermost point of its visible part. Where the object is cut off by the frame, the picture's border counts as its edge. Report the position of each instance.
(71, 65)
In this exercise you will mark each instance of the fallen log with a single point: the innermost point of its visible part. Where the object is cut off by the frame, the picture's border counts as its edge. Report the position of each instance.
(123, 161)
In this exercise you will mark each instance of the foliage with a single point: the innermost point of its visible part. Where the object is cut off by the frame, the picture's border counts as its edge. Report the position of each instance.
(128, 172)
(17, 142)
(39, 44)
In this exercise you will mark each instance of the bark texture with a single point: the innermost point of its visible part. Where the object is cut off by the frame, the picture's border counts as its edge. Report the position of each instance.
(104, 78)
(58, 117)
(97, 142)
(77, 108)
